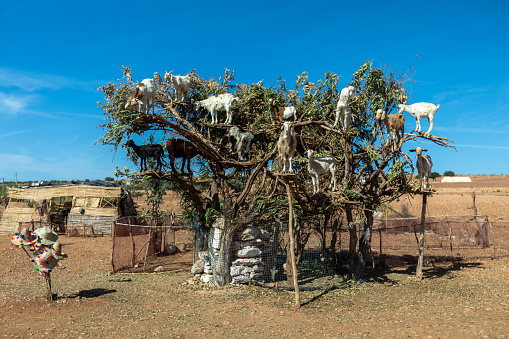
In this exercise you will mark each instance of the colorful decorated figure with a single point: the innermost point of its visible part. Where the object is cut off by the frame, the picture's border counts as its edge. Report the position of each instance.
(44, 251)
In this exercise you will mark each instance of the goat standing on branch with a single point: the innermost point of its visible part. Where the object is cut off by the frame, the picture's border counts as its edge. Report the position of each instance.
(424, 165)
(181, 85)
(321, 165)
(144, 96)
(180, 148)
(286, 146)
(418, 111)
(214, 104)
(155, 151)
(343, 111)
(394, 123)
(240, 141)
(282, 113)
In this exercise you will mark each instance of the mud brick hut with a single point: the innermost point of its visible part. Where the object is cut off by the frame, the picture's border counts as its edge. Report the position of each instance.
(96, 204)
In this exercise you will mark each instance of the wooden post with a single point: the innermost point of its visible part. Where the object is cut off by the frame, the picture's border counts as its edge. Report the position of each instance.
(420, 262)
(148, 246)
(475, 208)
(49, 294)
(133, 255)
(112, 246)
(292, 245)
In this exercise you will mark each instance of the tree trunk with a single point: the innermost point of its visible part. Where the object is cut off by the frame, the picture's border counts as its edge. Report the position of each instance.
(365, 243)
(292, 246)
(221, 263)
(352, 251)
(334, 239)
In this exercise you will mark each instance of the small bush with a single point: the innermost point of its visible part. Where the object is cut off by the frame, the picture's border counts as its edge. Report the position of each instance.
(449, 174)
(434, 175)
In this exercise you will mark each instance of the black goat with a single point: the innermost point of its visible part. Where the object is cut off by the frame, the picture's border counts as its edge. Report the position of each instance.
(155, 151)
(179, 148)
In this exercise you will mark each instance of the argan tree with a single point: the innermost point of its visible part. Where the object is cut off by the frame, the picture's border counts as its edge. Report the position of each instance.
(372, 167)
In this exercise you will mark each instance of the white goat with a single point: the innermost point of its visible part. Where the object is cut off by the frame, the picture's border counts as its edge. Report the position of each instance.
(420, 110)
(343, 111)
(282, 113)
(214, 104)
(424, 165)
(286, 146)
(144, 95)
(318, 166)
(181, 85)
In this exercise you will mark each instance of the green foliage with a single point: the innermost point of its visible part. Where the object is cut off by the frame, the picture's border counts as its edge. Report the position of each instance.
(434, 175)
(210, 215)
(449, 174)
(362, 144)
(155, 190)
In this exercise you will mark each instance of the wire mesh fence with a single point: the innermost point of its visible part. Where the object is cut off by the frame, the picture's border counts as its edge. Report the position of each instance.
(139, 247)
(259, 251)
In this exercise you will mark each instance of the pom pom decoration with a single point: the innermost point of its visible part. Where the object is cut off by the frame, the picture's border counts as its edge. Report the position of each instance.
(47, 259)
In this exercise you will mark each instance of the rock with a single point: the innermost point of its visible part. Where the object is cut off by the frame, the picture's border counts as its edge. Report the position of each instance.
(206, 278)
(249, 252)
(250, 233)
(256, 275)
(241, 279)
(198, 267)
(181, 247)
(170, 248)
(245, 270)
(247, 261)
(202, 255)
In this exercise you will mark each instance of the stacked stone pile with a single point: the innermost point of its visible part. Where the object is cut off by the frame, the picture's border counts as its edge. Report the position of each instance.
(252, 251)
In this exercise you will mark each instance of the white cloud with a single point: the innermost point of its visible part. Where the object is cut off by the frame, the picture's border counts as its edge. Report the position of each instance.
(14, 104)
(29, 81)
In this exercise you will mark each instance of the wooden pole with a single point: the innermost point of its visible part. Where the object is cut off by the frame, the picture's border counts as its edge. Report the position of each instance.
(148, 246)
(475, 208)
(49, 294)
(113, 246)
(292, 245)
(133, 254)
(420, 262)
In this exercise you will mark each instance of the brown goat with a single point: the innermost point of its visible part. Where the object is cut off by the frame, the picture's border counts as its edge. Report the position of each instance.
(394, 123)
(282, 113)
(179, 148)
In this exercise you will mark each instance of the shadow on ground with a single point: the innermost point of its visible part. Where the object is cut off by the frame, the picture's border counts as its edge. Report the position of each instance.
(93, 293)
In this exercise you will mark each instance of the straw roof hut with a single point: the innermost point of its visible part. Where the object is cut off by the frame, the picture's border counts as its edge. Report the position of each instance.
(95, 204)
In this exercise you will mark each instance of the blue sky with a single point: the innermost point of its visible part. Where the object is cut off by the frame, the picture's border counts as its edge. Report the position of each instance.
(55, 54)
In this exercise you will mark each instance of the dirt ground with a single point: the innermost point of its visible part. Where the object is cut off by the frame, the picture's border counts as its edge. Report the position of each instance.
(467, 298)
